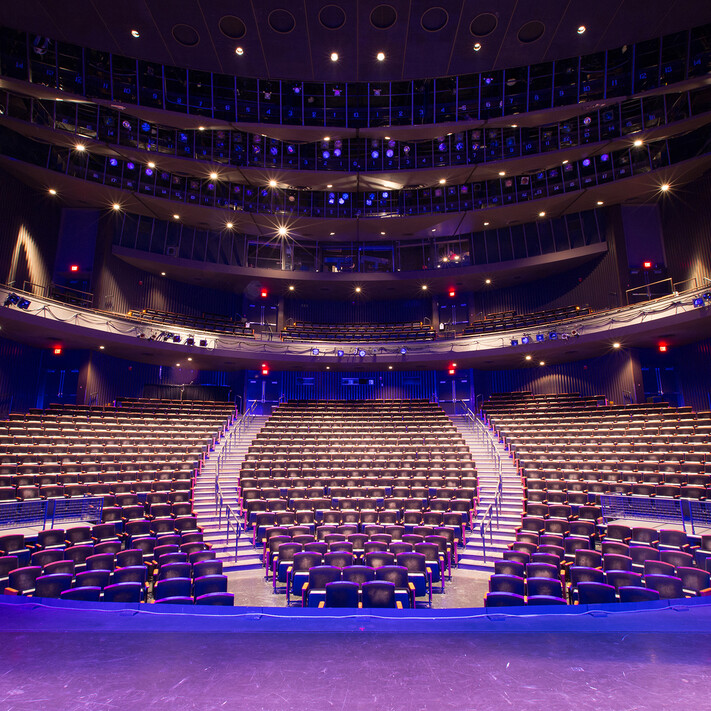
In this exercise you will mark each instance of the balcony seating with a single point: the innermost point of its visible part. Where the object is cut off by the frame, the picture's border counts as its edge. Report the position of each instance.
(357, 332)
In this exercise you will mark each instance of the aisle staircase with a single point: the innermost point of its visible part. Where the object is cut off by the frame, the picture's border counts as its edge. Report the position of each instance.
(481, 551)
(216, 532)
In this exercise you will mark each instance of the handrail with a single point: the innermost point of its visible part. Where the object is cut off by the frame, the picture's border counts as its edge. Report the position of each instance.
(232, 519)
(645, 291)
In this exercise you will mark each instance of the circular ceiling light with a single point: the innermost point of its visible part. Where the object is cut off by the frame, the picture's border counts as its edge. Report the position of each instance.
(380, 56)
(334, 56)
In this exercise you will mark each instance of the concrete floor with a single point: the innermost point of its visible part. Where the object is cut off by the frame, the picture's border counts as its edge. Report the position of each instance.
(466, 589)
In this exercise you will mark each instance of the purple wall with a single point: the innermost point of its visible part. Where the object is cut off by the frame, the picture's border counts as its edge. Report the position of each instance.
(29, 223)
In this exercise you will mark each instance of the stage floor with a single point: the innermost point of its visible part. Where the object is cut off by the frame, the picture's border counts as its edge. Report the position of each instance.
(66, 658)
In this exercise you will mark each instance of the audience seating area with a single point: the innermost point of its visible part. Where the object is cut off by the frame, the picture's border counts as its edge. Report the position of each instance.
(206, 322)
(344, 480)
(510, 320)
(140, 457)
(355, 332)
(570, 451)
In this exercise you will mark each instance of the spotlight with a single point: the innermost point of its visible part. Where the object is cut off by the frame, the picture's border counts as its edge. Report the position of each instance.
(514, 342)
(80, 147)
(135, 33)
(502, 173)
(23, 304)
(151, 164)
(542, 213)
(265, 369)
(664, 187)
(357, 290)
(442, 181)
(617, 345)
(291, 287)
(581, 29)
(452, 293)
(380, 56)
(647, 264)
(229, 225)
(361, 353)
(526, 340)
(52, 191)
(340, 353)
(101, 348)
(662, 347)
(263, 293)
(203, 342)
(390, 367)
(638, 142)
(540, 337)
(272, 183)
(403, 350)
(213, 175)
(282, 231)
(11, 300)
(176, 338)
(487, 281)
(698, 302)
(552, 336)
(176, 217)
(334, 56)
(74, 268)
(189, 341)
(239, 51)
(116, 206)
(528, 357)
(315, 351)
(424, 287)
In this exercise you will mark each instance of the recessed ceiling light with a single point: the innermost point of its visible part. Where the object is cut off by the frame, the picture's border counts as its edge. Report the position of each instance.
(239, 51)
(664, 187)
(52, 191)
(581, 29)
(80, 147)
(331, 233)
(383, 234)
(162, 273)
(565, 162)
(486, 224)
(291, 287)
(477, 46)
(502, 173)
(328, 367)
(637, 142)
(528, 357)
(334, 56)
(616, 345)
(229, 225)
(190, 359)
(600, 202)
(177, 365)
(116, 206)
(282, 231)
(542, 213)
(442, 181)
(357, 290)
(380, 56)
(176, 217)
(424, 287)
(151, 164)
(101, 348)
(201, 128)
(390, 367)
(329, 185)
(135, 33)
(213, 175)
(541, 362)
(272, 183)
(488, 281)
(326, 138)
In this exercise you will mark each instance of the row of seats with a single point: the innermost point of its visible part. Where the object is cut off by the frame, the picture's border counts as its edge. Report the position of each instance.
(206, 322)
(509, 320)
(355, 332)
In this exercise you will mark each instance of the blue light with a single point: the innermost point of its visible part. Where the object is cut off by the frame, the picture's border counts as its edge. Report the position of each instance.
(698, 302)
(540, 337)
(385, 194)
(442, 147)
(341, 201)
(459, 146)
(145, 127)
(315, 351)
(604, 157)
(514, 342)
(371, 196)
(290, 149)
(130, 166)
(403, 350)
(340, 353)
(586, 162)
(149, 171)
(274, 150)
(552, 336)
(525, 340)
(361, 353)
(345, 196)
(337, 152)
(326, 154)
(374, 155)
(113, 162)
(390, 153)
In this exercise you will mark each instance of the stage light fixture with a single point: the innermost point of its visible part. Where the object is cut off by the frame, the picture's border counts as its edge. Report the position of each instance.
(358, 290)
(403, 350)
(452, 293)
(664, 187)
(176, 338)
(340, 353)
(334, 56)
(552, 336)
(272, 183)
(361, 353)
(525, 340)
(315, 351)
(229, 225)
(203, 342)
(638, 142)
(540, 337)
(707, 296)
(698, 302)
(116, 206)
(282, 231)
(514, 342)
(239, 51)
(477, 46)
(23, 304)
(424, 287)
(291, 287)
(189, 341)
(135, 33)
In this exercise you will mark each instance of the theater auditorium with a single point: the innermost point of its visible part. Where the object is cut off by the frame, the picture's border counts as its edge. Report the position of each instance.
(355, 354)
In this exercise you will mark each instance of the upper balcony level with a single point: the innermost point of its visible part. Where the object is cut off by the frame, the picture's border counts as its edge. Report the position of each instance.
(273, 105)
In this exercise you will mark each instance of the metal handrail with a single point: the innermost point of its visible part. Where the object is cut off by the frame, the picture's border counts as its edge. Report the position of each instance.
(233, 523)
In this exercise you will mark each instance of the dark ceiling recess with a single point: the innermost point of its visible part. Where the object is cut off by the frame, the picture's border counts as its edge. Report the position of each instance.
(332, 17)
(383, 17)
(282, 21)
(186, 35)
(232, 27)
(483, 25)
(531, 31)
(434, 19)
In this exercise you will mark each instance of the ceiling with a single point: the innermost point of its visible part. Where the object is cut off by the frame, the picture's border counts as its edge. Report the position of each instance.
(294, 39)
